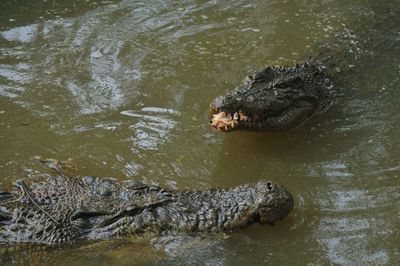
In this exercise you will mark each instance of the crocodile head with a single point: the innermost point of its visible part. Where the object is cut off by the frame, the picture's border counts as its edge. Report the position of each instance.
(273, 99)
(273, 202)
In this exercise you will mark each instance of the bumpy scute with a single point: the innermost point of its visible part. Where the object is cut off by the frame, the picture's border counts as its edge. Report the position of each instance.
(60, 209)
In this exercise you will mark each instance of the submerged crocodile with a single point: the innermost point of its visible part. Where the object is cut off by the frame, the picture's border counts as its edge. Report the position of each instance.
(60, 209)
(281, 98)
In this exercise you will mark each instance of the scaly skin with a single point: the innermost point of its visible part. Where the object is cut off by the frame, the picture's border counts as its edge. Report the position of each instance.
(273, 99)
(60, 209)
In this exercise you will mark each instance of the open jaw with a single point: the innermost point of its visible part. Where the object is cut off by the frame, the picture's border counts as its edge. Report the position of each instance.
(225, 121)
(282, 119)
(228, 121)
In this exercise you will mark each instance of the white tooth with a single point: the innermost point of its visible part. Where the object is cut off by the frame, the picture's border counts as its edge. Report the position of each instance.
(236, 116)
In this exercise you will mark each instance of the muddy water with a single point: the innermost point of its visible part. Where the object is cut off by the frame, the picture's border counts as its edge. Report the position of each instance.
(123, 88)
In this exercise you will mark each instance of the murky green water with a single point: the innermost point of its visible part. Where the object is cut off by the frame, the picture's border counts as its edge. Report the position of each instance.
(123, 88)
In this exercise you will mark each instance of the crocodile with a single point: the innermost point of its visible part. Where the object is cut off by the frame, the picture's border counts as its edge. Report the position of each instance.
(282, 98)
(56, 209)
(273, 99)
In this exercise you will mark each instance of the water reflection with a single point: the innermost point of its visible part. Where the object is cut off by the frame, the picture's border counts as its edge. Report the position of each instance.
(21, 34)
(150, 130)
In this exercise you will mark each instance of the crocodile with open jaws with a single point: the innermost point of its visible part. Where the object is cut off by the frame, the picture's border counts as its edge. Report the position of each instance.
(281, 98)
(273, 99)
(60, 209)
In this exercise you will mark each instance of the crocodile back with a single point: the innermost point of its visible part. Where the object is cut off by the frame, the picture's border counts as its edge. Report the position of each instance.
(40, 209)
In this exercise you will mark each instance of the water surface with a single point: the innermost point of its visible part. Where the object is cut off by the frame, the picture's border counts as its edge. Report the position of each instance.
(123, 88)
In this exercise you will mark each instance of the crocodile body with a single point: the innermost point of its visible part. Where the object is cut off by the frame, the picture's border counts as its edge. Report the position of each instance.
(60, 209)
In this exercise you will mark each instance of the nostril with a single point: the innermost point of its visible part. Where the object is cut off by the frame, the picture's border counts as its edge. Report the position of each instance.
(269, 185)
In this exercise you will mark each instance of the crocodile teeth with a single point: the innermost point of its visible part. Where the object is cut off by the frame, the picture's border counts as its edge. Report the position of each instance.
(242, 116)
(223, 121)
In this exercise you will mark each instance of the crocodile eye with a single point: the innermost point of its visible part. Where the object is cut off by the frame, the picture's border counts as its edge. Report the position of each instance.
(281, 85)
(291, 82)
